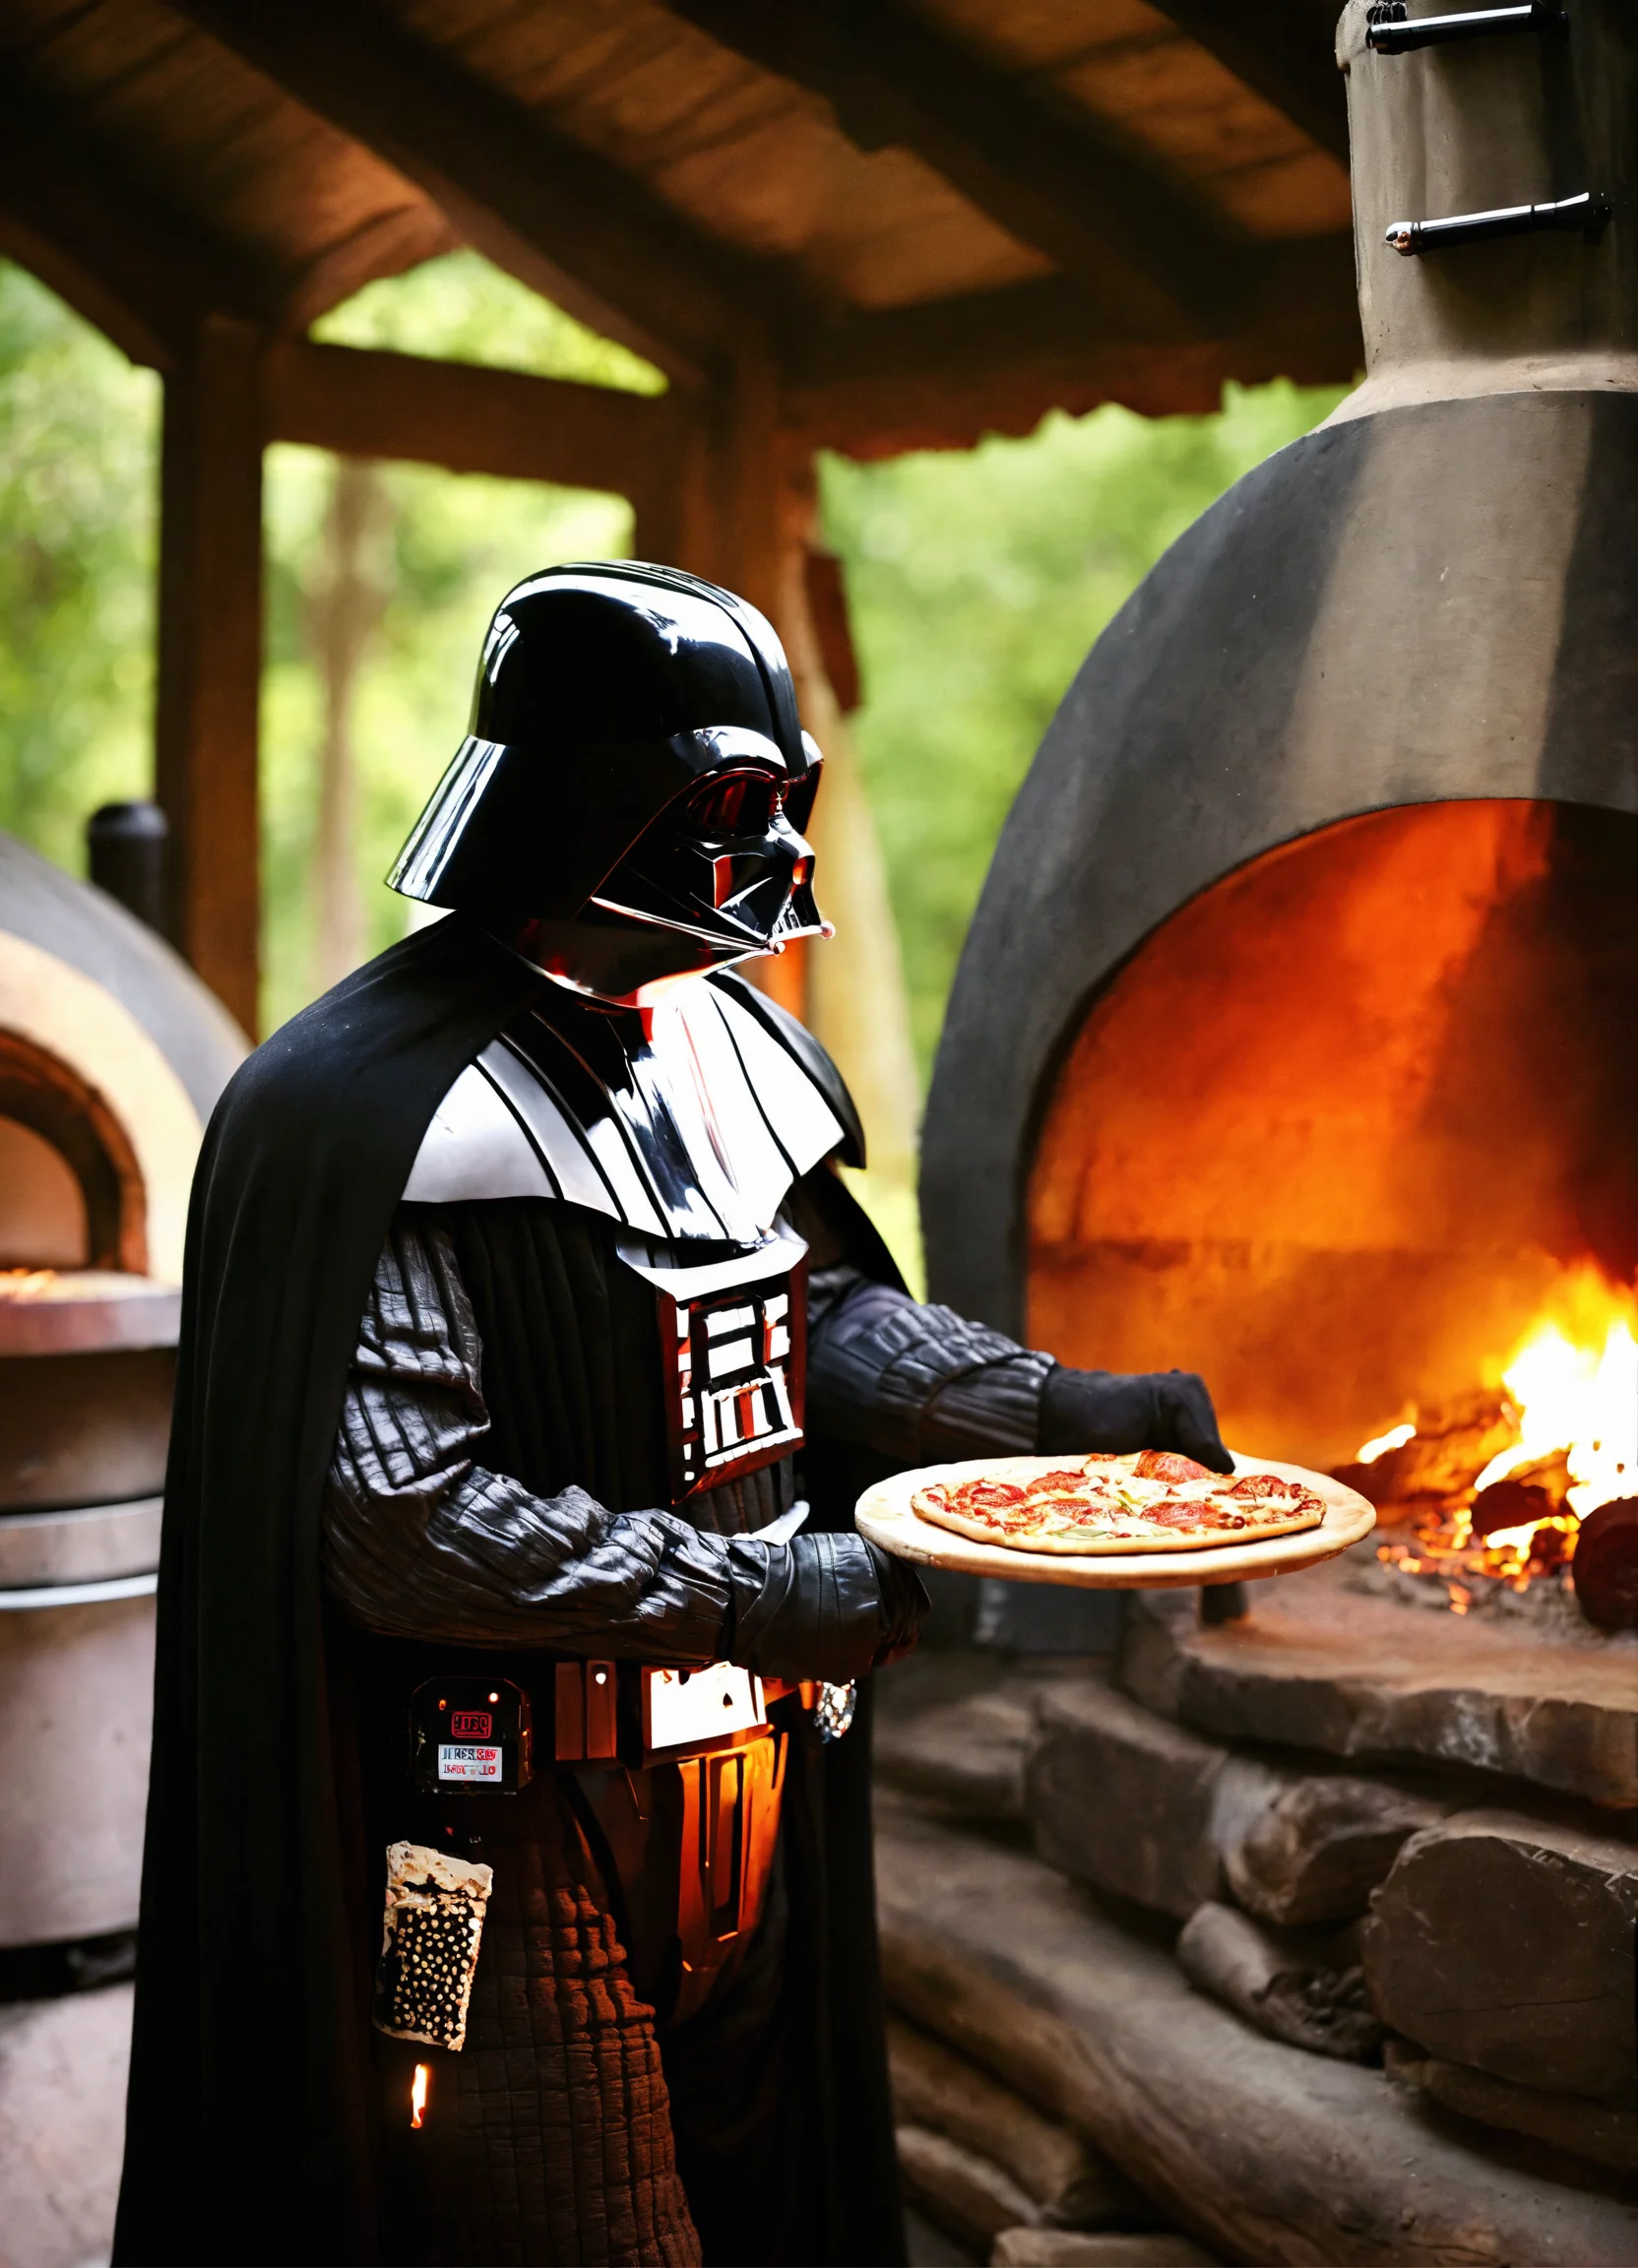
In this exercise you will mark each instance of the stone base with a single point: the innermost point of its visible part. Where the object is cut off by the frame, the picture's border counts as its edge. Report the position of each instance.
(1258, 2150)
(1322, 1661)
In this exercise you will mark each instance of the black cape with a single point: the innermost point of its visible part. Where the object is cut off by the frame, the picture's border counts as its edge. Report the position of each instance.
(250, 2129)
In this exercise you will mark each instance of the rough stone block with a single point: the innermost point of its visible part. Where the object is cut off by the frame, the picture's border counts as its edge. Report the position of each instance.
(1067, 2183)
(1319, 1843)
(1506, 1943)
(1120, 1798)
(1143, 1807)
(1304, 1987)
(1320, 1663)
(952, 1730)
(1568, 2122)
(1257, 2150)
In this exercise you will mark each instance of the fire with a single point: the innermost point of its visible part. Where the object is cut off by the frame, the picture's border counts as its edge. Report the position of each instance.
(417, 2094)
(1569, 1394)
(26, 1282)
(1582, 1401)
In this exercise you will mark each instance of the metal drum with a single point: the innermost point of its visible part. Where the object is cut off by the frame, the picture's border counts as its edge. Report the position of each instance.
(87, 1364)
(75, 1706)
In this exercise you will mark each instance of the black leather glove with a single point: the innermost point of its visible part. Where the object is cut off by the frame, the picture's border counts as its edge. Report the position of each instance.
(822, 1605)
(1082, 1410)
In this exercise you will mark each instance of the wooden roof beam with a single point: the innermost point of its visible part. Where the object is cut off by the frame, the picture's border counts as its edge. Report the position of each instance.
(143, 275)
(1088, 200)
(363, 403)
(562, 219)
(941, 374)
(1284, 50)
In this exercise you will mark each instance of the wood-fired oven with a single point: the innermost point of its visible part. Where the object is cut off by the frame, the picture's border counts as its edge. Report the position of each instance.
(111, 1056)
(1293, 1042)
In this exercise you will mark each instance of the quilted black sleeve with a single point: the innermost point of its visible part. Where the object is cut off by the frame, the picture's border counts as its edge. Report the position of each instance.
(916, 1383)
(422, 1541)
(923, 1386)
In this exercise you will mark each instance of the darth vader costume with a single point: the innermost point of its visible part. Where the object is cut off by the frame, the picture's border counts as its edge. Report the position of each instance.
(507, 1892)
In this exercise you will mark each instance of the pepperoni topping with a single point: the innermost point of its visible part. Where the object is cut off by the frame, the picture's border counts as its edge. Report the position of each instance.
(1167, 1465)
(1179, 1512)
(1259, 1487)
(992, 1496)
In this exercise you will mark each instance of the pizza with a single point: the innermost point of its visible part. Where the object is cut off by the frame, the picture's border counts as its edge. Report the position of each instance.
(1152, 1502)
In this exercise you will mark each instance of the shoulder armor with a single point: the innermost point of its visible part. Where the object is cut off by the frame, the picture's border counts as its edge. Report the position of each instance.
(799, 1043)
(696, 1132)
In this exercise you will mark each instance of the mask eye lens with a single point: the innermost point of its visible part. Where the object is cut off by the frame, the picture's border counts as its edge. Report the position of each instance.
(744, 803)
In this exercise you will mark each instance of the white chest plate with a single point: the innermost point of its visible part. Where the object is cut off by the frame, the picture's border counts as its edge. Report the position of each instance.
(685, 1122)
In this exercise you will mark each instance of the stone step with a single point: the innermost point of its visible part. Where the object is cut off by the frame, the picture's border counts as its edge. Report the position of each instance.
(952, 1728)
(1063, 2183)
(1154, 1811)
(1322, 1661)
(1257, 2150)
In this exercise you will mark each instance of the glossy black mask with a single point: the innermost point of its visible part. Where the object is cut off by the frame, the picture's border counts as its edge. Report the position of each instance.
(634, 785)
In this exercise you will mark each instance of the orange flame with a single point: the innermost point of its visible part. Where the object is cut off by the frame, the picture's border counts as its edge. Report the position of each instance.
(417, 2094)
(1573, 1377)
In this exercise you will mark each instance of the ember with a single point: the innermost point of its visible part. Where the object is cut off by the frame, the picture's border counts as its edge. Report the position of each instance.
(1495, 1492)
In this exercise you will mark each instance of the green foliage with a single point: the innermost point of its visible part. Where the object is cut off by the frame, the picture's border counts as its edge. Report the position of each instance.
(448, 547)
(79, 433)
(460, 309)
(978, 582)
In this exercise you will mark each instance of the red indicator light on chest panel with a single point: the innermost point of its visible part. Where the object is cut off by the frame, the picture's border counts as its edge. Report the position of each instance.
(419, 2087)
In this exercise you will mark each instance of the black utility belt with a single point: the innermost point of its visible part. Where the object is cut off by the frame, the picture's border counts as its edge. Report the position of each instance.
(486, 1736)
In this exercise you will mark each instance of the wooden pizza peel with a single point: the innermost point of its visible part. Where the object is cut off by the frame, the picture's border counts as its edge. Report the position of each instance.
(885, 1519)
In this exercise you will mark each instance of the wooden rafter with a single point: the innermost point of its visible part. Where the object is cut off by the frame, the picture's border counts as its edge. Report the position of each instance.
(1284, 51)
(561, 218)
(1092, 203)
(1054, 321)
(362, 403)
(144, 274)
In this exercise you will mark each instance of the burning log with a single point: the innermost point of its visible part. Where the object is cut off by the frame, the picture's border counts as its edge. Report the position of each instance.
(1510, 1505)
(1438, 1462)
(1604, 1569)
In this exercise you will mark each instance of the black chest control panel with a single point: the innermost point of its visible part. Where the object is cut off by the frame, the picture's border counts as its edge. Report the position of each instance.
(469, 1737)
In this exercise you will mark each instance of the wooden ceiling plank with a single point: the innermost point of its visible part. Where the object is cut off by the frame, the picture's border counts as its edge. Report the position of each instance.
(387, 244)
(1299, 320)
(143, 273)
(1091, 204)
(362, 402)
(564, 220)
(1284, 51)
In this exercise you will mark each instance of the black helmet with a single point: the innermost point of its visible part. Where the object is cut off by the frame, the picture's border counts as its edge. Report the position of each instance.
(635, 760)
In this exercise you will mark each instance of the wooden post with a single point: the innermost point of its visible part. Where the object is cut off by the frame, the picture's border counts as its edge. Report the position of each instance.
(210, 657)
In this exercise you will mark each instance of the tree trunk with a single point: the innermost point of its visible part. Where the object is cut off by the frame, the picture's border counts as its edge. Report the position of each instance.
(344, 611)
